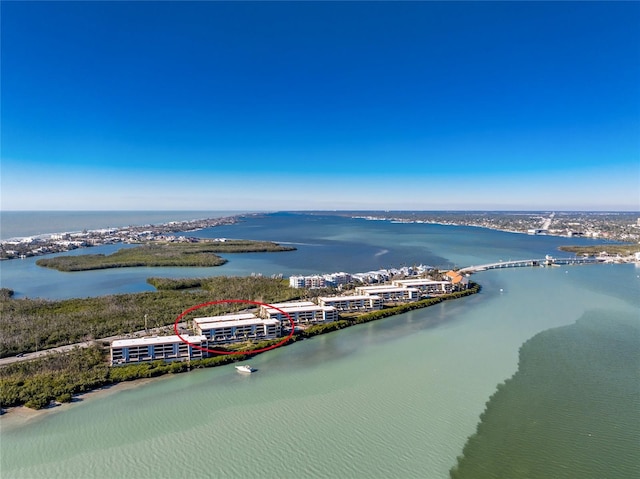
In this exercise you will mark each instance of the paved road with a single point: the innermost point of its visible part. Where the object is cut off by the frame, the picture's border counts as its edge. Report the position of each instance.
(39, 354)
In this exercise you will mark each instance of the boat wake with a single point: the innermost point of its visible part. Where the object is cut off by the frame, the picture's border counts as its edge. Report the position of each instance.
(294, 243)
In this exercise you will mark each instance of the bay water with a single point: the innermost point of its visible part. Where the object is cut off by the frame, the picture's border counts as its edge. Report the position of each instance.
(394, 398)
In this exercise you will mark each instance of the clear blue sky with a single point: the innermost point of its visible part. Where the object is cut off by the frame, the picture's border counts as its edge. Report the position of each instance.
(278, 105)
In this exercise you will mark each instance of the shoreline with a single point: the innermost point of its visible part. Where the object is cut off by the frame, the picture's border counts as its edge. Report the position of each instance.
(62, 242)
(21, 247)
(586, 224)
(19, 416)
(193, 219)
(27, 414)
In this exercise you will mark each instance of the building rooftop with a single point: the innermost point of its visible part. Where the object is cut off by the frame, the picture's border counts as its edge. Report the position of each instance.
(292, 304)
(226, 317)
(355, 297)
(153, 340)
(235, 322)
(385, 289)
(310, 307)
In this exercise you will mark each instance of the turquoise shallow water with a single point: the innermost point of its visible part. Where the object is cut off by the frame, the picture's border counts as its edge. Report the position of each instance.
(393, 398)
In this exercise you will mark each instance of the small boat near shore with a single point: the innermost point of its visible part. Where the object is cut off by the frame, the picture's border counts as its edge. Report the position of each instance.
(245, 368)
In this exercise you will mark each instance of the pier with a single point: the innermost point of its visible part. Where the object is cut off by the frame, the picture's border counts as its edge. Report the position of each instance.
(521, 263)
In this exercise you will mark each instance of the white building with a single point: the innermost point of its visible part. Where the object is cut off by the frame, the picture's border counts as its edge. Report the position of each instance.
(315, 281)
(426, 286)
(292, 304)
(337, 279)
(296, 281)
(352, 303)
(302, 313)
(167, 348)
(390, 293)
(235, 328)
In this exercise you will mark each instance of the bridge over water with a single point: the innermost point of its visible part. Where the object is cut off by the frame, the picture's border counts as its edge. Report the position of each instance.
(520, 263)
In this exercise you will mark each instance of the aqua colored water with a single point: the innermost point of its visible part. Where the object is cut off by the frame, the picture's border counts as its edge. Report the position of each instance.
(393, 398)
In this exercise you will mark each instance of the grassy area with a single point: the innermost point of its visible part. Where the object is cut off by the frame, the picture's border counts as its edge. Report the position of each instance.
(162, 254)
(612, 249)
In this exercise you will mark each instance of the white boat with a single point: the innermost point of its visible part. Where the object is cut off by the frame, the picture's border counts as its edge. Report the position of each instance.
(245, 368)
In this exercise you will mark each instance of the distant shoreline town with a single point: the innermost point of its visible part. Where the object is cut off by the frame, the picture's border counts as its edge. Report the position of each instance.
(39, 245)
(621, 226)
(608, 226)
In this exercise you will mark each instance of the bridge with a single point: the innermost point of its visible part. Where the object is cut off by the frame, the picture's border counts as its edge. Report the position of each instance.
(547, 261)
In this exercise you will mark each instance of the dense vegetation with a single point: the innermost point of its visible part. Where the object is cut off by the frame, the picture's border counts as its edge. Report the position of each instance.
(161, 254)
(218, 282)
(621, 249)
(59, 376)
(6, 293)
(31, 324)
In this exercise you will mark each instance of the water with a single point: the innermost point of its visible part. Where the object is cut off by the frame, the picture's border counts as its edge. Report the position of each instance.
(574, 395)
(392, 398)
(20, 224)
(325, 244)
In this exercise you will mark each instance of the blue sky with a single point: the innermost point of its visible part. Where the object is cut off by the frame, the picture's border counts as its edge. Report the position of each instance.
(355, 105)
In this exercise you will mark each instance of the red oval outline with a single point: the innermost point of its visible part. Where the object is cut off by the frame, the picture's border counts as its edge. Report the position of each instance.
(215, 351)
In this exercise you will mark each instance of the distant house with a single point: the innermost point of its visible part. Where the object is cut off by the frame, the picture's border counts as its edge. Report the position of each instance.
(459, 281)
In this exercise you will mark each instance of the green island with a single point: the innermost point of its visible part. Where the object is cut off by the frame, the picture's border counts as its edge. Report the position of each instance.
(59, 376)
(611, 249)
(155, 254)
(572, 383)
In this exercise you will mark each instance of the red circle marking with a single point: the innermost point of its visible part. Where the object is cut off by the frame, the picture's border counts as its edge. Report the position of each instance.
(215, 351)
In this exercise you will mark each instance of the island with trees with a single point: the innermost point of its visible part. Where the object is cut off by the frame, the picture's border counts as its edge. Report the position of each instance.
(155, 254)
(626, 249)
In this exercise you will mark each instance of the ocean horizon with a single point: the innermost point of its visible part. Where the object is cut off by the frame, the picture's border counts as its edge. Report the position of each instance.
(22, 224)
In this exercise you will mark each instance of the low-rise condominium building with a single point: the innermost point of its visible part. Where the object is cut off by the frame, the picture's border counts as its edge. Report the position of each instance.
(235, 328)
(303, 314)
(292, 304)
(390, 293)
(426, 286)
(167, 348)
(459, 281)
(315, 281)
(352, 303)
